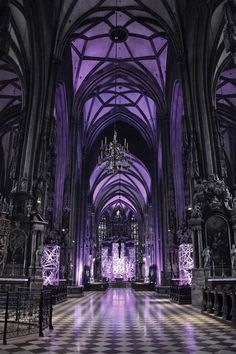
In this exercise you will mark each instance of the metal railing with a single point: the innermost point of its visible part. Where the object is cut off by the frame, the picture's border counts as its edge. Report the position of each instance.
(180, 294)
(24, 312)
(59, 293)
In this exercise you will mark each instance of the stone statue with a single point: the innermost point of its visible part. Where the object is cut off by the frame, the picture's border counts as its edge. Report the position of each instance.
(24, 183)
(233, 256)
(234, 204)
(228, 200)
(215, 203)
(4, 242)
(206, 254)
(197, 211)
(38, 256)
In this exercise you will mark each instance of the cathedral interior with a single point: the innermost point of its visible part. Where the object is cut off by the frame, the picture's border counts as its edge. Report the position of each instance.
(118, 158)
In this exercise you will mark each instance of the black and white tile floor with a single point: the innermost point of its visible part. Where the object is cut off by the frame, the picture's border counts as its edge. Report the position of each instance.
(122, 321)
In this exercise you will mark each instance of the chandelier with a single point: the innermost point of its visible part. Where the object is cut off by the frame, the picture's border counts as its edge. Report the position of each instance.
(114, 155)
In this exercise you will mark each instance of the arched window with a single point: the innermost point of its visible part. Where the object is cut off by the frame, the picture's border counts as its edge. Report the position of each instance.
(102, 229)
(134, 229)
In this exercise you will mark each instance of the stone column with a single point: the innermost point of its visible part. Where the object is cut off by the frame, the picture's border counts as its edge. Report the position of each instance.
(233, 221)
(33, 250)
(196, 226)
(198, 274)
(38, 226)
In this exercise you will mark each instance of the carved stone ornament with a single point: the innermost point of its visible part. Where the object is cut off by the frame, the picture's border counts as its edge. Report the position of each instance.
(233, 209)
(4, 207)
(29, 206)
(196, 211)
(212, 192)
(4, 241)
(184, 235)
(215, 204)
(23, 185)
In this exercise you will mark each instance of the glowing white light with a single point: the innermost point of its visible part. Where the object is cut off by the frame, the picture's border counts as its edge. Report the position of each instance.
(114, 266)
(185, 263)
(51, 265)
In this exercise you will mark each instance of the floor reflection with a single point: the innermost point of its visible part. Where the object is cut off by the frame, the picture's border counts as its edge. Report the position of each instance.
(124, 321)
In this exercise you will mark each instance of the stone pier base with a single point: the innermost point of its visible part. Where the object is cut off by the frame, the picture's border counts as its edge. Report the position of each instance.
(198, 284)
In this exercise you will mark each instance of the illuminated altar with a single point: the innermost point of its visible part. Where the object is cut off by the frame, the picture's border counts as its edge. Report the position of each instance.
(119, 263)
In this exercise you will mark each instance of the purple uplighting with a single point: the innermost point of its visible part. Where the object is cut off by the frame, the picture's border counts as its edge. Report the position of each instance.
(143, 48)
(177, 149)
(128, 98)
(120, 94)
(61, 122)
(126, 187)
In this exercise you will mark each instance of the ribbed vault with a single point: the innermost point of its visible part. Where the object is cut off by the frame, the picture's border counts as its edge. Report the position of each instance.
(10, 88)
(130, 188)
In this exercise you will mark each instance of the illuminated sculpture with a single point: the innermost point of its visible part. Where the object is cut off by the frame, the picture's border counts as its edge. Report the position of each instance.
(50, 264)
(185, 263)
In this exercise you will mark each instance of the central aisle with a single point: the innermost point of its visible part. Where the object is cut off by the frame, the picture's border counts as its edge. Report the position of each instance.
(122, 321)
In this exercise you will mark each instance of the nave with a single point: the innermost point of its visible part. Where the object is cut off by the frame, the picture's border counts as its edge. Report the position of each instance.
(122, 321)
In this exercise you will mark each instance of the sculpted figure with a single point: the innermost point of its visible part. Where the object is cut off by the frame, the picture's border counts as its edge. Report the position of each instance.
(38, 256)
(206, 254)
(233, 256)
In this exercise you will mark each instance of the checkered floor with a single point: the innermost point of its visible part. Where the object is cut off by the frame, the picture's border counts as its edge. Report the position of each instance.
(122, 321)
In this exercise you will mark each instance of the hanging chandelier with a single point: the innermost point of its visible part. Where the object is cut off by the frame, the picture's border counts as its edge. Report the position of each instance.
(114, 155)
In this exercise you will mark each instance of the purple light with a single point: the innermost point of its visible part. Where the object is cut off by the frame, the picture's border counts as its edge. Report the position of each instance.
(226, 88)
(10, 87)
(51, 265)
(79, 273)
(114, 267)
(177, 150)
(142, 45)
(118, 198)
(142, 106)
(126, 187)
(185, 263)
(61, 118)
(125, 179)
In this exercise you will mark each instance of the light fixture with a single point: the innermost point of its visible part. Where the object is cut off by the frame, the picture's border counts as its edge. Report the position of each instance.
(113, 154)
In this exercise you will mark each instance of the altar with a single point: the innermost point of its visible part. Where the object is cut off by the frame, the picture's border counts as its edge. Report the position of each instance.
(118, 262)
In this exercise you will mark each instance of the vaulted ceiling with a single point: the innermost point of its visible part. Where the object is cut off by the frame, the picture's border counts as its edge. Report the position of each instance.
(119, 57)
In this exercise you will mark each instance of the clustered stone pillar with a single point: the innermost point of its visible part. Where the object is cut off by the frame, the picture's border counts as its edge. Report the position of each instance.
(198, 274)
(233, 221)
